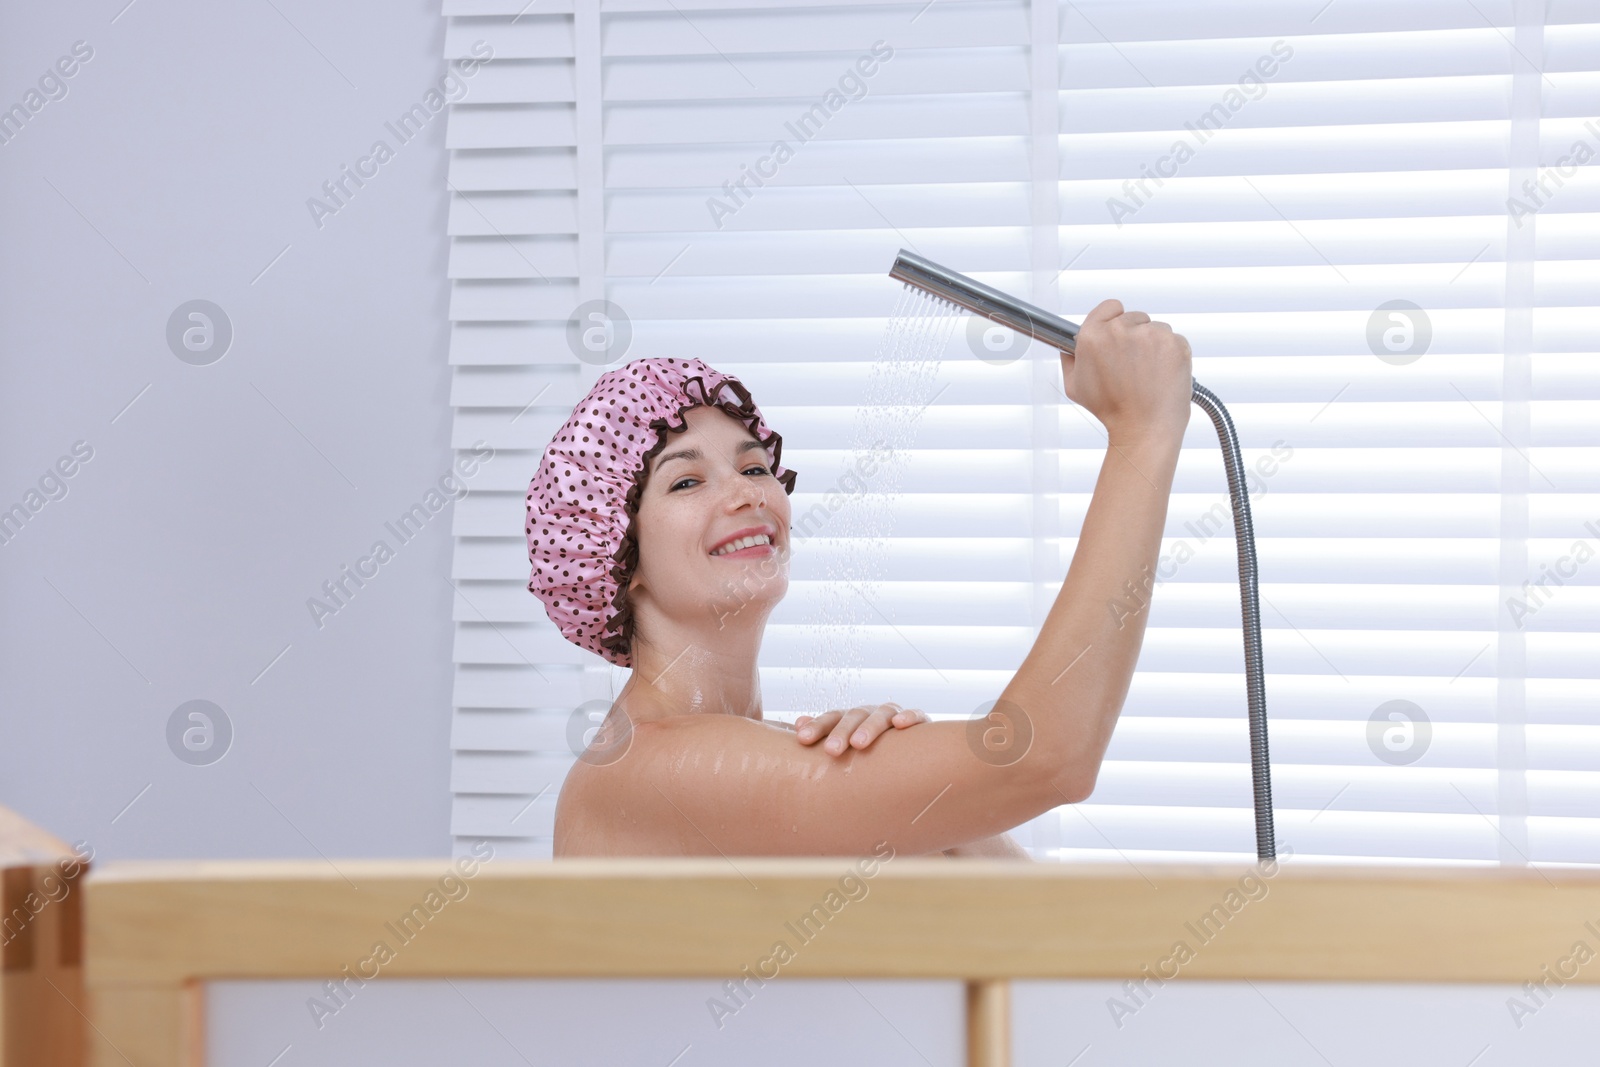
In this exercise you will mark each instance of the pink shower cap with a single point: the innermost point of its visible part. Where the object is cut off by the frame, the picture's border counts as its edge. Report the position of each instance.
(584, 497)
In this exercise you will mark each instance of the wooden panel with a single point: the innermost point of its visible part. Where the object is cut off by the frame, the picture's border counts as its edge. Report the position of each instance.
(912, 918)
(23, 844)
(147, 1026)
(989, 1024)
(42, 1006)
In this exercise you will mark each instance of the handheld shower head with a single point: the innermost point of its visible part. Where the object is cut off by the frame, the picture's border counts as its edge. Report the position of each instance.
(985, 300)
(989, 302)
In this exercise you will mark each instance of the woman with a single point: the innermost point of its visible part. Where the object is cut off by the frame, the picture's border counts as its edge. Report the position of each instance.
(667, 465)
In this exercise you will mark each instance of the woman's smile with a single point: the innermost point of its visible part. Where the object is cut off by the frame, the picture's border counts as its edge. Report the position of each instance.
(746, 541)
(752, 552)
(751, 546)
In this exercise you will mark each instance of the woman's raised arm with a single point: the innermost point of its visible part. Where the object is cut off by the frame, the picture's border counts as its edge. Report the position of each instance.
(1134, 375)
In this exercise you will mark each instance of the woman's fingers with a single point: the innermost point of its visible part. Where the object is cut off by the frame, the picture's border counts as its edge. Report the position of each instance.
(1109, 308)
(864, 725)
(909, 717)
(857, 727)
(811, 727)
(1136, 382)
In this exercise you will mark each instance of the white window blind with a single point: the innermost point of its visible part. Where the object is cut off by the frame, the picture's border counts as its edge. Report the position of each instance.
(1415, 462)
(1553, 290)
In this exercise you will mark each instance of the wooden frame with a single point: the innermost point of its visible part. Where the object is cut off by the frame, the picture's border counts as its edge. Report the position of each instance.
(43, 1010)
(157, 930)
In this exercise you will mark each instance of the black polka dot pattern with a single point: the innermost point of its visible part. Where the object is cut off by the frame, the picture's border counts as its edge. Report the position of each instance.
(584, 497)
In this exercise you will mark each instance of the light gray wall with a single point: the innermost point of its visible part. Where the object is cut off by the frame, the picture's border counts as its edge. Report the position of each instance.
(219, 498)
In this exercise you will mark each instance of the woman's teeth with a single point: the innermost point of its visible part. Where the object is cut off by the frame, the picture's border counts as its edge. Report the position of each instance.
(743, 543)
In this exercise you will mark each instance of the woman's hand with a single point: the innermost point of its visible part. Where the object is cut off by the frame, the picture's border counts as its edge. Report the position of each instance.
(1131, 373)
(858, 727)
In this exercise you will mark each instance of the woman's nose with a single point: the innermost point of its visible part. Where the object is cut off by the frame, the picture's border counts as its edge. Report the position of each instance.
(750, 491)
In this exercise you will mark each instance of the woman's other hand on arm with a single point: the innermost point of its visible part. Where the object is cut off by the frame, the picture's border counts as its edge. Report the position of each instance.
(856, 727)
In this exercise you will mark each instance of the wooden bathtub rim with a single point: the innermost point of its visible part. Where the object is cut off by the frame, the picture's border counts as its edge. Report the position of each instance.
(168, 922)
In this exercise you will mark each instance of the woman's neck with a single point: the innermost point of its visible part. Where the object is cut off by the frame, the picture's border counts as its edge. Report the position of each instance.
(695, 681)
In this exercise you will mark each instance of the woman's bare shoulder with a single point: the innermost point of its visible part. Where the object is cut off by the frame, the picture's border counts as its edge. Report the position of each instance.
(598, 811)
(606, 805)
(586, 821)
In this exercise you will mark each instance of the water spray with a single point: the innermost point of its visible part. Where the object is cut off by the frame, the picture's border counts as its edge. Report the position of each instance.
(979, 299)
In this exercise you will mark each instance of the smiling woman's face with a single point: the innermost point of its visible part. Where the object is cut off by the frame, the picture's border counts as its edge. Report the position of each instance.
(708, 483)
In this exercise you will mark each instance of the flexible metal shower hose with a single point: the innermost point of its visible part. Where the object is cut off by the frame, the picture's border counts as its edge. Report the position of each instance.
(1255, 685)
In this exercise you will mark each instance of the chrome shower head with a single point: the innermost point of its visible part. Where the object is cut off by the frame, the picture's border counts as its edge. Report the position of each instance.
(984, 300)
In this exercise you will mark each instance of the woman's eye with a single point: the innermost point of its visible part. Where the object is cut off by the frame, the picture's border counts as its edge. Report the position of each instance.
(681, 481)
